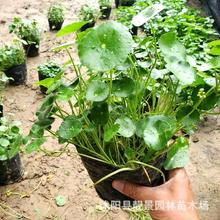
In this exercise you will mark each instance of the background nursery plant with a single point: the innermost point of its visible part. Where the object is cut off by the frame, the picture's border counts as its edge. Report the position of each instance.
(126, 121)
(28, 32)
(56, 16)
(11, 141)
(105, 8)
(13, 63)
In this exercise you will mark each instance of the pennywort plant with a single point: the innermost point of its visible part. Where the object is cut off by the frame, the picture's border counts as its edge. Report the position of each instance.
(49, 69)
(119, 113)
(88, 14)
(56, 13)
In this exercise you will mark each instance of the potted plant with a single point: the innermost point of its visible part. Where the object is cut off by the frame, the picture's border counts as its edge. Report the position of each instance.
(126, 2)
(48, 70)
(105, 8)
(3, 80)
(28, 31)
(125, 121)
(117, 2)
(11, 141)
(13, 63)
(55, 16)
(87, 14)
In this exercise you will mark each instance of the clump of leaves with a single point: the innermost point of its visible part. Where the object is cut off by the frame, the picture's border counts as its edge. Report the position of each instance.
(50, 69)
(11, 55)
(88, 14)
(120, 113)
(105, 3)
(11, 138)
(25, 29)
(56, 13)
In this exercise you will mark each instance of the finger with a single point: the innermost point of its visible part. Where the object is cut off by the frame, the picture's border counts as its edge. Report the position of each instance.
(140, 193)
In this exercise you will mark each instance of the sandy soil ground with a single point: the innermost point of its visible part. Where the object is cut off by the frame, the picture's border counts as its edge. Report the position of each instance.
(45, 177)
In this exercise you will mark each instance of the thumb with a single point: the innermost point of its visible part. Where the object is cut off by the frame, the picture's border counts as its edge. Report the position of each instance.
(134, 191)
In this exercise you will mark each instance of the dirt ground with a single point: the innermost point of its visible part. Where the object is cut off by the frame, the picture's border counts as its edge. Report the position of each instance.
(46, 177)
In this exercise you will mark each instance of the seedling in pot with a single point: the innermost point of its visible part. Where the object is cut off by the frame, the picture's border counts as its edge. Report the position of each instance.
(13, 63)
(105, 8)
(28, 32)
(55, 16)
(122, 120)
(11, 141)
(87, 14)
(3, 80)
(46, 73)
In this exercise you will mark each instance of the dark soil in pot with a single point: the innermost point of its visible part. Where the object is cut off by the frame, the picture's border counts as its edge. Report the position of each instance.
(32, 50)
(18, 74)
(126, 2)
(98, 170)
(55, 26)
(117, 3)
(88, 25)
(43, 89)
(105, 12)
(10, 170)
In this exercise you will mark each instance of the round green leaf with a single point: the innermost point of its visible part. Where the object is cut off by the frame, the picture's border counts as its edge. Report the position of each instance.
(97, 91)
(126, 126)
(70, 127)
(4, 142)
(105, 47)
(60, 201)
(123, 87)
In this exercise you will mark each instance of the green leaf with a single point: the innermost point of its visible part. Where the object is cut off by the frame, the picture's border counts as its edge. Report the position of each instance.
(100, 113)
(70, 127)
(63, 46)
(178, 155)
(123, 87)
(148, 13)
(65, 93)
(105, 47)
(4, 142)
(110, 132)
(156, 130)
(97, 91)
(46, 82)
(70, 28)
(126, 127)
(60, 201)
(34, 145)
(174, 54)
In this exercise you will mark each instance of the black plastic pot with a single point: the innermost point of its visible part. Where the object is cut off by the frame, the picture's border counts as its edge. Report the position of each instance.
(55, 26)
(134, 31)
(105, 12)
(1, 111)
(126, 2)
(43, 89)
(18, 74)
(10, 170)
(88, 25)
(32, 50)
(117, 3)
(97, 170)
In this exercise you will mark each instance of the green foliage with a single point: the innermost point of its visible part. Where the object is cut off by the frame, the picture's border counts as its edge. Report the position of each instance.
(49, 69)
(11, 138)
(27, 30)
(56, 13)
(11, 56)
(88, 14)
(105, 3)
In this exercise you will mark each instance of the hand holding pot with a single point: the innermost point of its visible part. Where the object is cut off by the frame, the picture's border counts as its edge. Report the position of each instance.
(165, 198)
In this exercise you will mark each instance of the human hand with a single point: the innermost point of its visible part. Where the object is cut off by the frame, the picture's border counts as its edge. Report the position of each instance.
(176, 189)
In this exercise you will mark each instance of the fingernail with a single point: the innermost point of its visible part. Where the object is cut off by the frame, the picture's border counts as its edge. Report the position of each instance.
(117, 185)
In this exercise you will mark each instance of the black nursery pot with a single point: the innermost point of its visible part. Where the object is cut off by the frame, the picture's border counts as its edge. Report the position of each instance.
(10, 170)
(117, 3)
(134, 31)
(105, 12)
(98, 170)
(18, 74)
(55, 26)
(88, 25)
(32, 50)
(43, 89)
(126, 2)
(1, 111)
